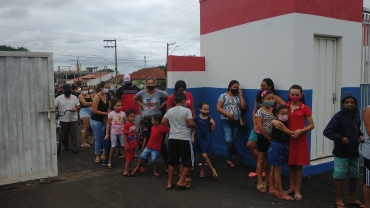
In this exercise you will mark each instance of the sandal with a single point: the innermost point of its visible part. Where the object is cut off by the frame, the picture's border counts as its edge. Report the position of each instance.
(201, 175)
(284, 197)
(261, 188)
(135, 155)
(273, 191)
(143, 170)
(231, 164)
(297, 197)
(340, 206)
(157, 175)
(170, 187)
(188, 179)
(187, 186)
(214, 174)
(252, 174)
(109, 166)
(97, 160)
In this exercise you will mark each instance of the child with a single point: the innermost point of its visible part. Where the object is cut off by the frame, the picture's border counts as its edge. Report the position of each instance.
(179, 119)
(264, 116)
(143, 139)
(115, 123)
(130, 140)
(344, 130)
(278, 150)
(154, 145)
(205, 124)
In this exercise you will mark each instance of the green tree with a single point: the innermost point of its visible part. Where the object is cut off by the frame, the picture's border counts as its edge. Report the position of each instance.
(164, 68)
(108, 70)
(10, 48)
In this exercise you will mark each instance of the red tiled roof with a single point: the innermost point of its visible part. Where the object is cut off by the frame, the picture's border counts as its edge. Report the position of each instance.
(113, 79)
(91, 76)
(149, 72)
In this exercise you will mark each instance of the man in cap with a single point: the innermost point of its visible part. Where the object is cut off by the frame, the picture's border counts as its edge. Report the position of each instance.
(68, 122)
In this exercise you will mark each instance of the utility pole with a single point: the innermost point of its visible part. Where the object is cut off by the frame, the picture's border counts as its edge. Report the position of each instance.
(144, 61)
(168, 46)
(115, 54)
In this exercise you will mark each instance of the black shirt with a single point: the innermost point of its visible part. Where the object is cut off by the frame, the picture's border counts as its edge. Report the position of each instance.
(279, 136)
(101, 107)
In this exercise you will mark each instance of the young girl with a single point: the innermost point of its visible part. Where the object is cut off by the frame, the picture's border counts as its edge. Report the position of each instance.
(278, 150)
(115, 123)
(264, 116)
(298, 154)
(143, 140)
(205, 124)
(130, 140)
(344, 130)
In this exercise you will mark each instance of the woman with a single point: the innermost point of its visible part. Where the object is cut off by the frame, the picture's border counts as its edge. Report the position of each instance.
(150, 99)
(230, 105)
(266, 84)
(85, 113)
(91, 91)
(100, 108)
(180, 86)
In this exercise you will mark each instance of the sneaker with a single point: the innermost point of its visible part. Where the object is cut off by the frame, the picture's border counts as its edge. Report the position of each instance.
(104, 162)
(74, 151)
(66, 148)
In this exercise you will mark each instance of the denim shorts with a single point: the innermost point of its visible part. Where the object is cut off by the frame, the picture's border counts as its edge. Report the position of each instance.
(277, 153)
(85, 112)
(154, 154)
(346, 167)
(253, 136)
(114, 138)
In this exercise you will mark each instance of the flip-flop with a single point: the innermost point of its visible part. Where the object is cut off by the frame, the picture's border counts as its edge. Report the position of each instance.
(157, 175)
(201, 175)
(359, 205)
(231, 164)
(188, 179)
(261, 188)
(273, 191)
(284, 197)
(297, 197)
(97, 161)
(252, 174)
(215, 175)
(170, 187)
(340, 206)
(143, 170)
(187, 186)
(109, 166)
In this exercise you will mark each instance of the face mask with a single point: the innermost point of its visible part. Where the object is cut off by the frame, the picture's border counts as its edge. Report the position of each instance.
(91, 91)
(79, 88)
(269, 103)
(264, 88)
(349, 108)
(67, 93)
(128, 84)
(105, 91)
(150, 88)
(85, 92)
(234, 91)
(118, 109)
(295, 98)
(184, 105)
(283, 118)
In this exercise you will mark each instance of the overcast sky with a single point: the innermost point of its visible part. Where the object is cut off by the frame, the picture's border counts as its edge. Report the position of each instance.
(74, 29)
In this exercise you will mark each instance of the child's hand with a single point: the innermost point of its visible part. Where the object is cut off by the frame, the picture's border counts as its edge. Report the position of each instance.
(212, 121)
(345, 140)
(230, 116)
(297, 133)
(362, 139)
(126, 146)
(106, 137)
(277, 124)
(192, 139)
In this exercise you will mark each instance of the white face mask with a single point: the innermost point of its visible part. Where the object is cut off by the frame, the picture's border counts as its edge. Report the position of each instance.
(105, 91)
(91, 91)
(84, 92)
(79, 89)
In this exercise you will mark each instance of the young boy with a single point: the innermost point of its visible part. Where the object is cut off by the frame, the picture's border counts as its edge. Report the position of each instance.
(179, 119)
(344, 130)
(130, 140)
(154, 145)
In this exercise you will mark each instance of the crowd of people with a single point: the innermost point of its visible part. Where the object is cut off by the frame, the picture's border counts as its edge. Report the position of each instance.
(139, 121)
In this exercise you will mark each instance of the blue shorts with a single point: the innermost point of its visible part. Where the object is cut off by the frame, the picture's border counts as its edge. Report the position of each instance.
(253, 136)
(277, 153)
(344, 167)
(154, 154)
(85, 112)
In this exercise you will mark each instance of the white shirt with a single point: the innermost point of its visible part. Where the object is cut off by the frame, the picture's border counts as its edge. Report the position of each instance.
(64, 104)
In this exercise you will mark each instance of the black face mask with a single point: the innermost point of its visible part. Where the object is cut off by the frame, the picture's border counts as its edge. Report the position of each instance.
(150, 88)
(67, 93)
(234, 91)
(128, 84)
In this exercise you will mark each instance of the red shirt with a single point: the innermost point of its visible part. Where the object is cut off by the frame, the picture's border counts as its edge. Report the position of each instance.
(297, 117)
(156, 137)
(189, 100)
(129, 131)
(126, 94)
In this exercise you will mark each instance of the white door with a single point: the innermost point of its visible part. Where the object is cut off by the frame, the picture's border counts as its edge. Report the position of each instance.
(325, 93)
(27, 138)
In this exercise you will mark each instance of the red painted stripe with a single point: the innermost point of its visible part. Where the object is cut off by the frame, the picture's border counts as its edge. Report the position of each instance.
(186, 63)
(221, 14)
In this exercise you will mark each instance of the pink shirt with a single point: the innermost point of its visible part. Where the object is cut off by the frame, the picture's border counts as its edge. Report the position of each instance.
(118, 120)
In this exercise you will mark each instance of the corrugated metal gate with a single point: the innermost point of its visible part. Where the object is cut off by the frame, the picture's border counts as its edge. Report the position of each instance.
(28, 138)
(365, 68)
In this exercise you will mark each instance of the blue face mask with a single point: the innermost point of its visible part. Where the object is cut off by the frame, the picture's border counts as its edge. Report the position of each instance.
(184, 105)
(269, 103)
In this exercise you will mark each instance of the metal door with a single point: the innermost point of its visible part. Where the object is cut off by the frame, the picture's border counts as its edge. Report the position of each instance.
(28, 139)
(324, 95)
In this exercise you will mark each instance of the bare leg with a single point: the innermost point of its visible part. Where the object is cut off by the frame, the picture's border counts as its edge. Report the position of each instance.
(277, 178)
(137, 166)
(352, 191)
(292, 174)
(85, 132)
(156, 169)
(338, 192)
(170, 169)
(260, 164)
(252, 146)
(127, 168)
(184, 174)
(111, 155)
(298, 180)
(201, 174)
(366, 195)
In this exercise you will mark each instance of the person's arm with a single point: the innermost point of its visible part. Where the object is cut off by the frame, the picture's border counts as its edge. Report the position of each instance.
(253, 116)
(191, 122)
(331, 130)
(213, 124)
(145, 141)
(77, 105)
(360, 134)
(169, 102)
(278, 100)
(125, 140)
(165, 122)
(306, 129)
(137, 100)
(83, 101)
(286, 130)
(107, 128)
(243, 104)
(165, 97)
(192, 110)
(366, 119)
(260, 128)
(95, 107)
(220, 109)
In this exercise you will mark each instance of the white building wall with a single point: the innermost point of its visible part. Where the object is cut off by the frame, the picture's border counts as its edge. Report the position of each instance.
(103, 78)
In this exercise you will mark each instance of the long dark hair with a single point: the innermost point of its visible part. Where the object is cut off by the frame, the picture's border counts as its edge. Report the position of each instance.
(179, 84)
(114, 101)
(278, 108)
(262, 94)
(232, 82)
(270, 83)
(102, 84)
(297, 87)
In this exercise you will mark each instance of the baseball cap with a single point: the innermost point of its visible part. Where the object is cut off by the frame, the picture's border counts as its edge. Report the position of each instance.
(127, 79)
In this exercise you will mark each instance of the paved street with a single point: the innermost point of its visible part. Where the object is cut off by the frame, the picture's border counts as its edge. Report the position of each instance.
(83, 183)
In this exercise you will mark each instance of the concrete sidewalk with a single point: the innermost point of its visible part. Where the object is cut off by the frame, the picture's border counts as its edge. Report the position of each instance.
(83, 183)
